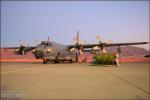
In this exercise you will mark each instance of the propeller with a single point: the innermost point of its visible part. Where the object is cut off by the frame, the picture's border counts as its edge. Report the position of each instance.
(78, 45)
(48, 39)
(101, 45)
(99, 39)
(74, 41)
(24, 47)
(21, 48)
(77, 38)
(37, 42)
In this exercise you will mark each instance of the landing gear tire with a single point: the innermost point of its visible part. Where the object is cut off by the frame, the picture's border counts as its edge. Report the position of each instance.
(49, 61)
(44, 61)
(56, 60)
(71, 61)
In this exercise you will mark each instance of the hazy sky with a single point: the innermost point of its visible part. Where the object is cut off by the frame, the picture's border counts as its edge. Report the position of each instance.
(119, 21)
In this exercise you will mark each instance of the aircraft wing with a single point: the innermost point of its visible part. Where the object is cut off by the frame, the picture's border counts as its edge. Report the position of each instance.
(107, 45)
(21, 50)
(32, 47)
(10, 47)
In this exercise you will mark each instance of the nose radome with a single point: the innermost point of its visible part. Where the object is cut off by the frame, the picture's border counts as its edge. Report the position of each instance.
(38, 54)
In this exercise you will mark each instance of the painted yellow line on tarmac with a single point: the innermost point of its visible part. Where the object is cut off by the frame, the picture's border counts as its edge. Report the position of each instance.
(9, 72)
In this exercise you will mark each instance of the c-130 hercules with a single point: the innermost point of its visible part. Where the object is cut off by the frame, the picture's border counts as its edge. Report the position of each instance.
(53, 52)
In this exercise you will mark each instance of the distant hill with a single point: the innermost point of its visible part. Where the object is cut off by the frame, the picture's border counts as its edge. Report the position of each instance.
(10, 53)
(127, 51)
(130, 51)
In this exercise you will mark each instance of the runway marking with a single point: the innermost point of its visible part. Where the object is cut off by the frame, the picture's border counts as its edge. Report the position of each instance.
(126, 81)
(9, 72)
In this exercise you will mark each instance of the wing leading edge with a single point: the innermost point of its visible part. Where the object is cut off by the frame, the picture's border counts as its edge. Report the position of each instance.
(106, 44)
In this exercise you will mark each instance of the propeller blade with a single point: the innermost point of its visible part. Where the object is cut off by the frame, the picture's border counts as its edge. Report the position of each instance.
(83, 42)
(77, 37)
(74, 41)
(99, 39)
(37, 42)
(48, 39)
(78, 46)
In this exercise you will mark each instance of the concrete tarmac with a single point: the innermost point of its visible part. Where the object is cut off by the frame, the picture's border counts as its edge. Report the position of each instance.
(75, 81)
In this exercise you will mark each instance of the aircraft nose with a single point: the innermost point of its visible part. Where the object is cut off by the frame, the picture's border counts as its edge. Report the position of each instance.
(38, 54)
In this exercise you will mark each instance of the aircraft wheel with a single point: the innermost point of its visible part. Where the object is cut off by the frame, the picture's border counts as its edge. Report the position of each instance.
(44, 61)
(56, 60)
(71, 60)
(49, 61)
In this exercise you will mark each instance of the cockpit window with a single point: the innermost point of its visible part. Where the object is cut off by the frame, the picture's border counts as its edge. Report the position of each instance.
(46, 43)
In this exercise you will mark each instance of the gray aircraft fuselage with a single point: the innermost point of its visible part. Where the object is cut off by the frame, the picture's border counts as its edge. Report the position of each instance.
(53, 50)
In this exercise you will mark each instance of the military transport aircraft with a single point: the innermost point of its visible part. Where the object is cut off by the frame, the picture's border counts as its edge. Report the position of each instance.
(53, 52)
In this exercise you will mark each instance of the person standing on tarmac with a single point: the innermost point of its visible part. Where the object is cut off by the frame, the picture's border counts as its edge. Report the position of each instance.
(117, 59)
